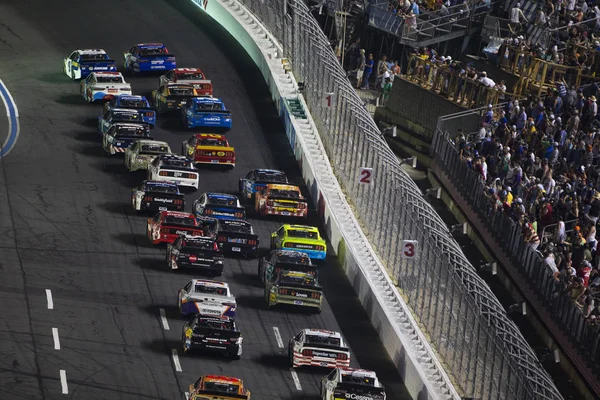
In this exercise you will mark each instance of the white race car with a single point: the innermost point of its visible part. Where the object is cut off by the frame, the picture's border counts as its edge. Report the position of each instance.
(81, 63)
(174, 168)
(350, 383)
(103, 86)
(206, 297)
(318, 348)
(141, 153)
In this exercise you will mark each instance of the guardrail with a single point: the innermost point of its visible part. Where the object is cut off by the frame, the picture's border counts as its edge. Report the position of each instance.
(556, 308)
(468, 326)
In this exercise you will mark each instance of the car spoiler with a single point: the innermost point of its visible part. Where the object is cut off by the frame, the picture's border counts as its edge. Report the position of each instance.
(297, 286)
(224, 112)
(216, 395)
(295, 267)
(344, 388)
(301, 200)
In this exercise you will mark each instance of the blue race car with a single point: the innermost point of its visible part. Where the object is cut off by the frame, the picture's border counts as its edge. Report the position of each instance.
(115, 115)
(146, 57)
(205, 112)
(81, 63)
(122, 135)
(139, 103)
(220, 206)
(257, 179)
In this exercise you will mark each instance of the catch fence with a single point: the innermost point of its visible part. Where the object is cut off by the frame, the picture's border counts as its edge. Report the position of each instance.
(480, 346)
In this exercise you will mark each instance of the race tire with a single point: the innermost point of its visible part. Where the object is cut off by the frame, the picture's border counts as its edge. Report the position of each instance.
(234, 356)
(290, 357)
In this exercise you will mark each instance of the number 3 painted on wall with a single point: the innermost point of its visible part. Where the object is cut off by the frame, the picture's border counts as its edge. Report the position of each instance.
(365, 175)
(409, 248)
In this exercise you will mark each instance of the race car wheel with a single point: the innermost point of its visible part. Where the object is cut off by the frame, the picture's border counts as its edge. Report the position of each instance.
(234, 356)
(72, 74)
(290, 357)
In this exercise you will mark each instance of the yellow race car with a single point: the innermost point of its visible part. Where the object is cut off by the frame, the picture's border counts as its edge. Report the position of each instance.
(306, 239)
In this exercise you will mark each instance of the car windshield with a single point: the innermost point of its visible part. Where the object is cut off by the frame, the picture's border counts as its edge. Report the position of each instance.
(192, 245)
(154, 149)
(204, 289)
(304, 280)
(285, 259)
(209, 107)
(358, 380)
(109, 79)
(291, 194)
(131, 103)
(318, 339)
(174, 220)
(236, 226)
(177, 163)
(125, 116)
(129, 131)
(181, 91)
(190, 76)
(273, 177)
(222, 387)
(152, 51)
(162, 188)
(213, 323)
(302, 234)
(222, 201)
(211, 142)
(93, 57)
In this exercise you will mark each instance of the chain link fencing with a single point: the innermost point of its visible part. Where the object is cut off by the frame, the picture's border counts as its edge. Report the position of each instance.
(480, 347)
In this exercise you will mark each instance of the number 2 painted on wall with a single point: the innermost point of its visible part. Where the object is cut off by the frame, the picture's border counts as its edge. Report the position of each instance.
(365, 175)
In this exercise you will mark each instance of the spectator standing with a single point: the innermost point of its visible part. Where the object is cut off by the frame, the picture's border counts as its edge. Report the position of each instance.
(362, 60)
(370, 63)
(383, 71)
(516, 18)
(353, 55)
(387, 89)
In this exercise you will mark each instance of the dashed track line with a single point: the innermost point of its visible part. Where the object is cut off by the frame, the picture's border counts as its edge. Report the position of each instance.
(278, 337)
(176, 362)
(56, 339)
(296, 380)
(163, 319)
(63, 382)
(49, 299)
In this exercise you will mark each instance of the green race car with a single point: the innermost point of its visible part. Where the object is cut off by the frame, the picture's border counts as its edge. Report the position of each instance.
(294, 288)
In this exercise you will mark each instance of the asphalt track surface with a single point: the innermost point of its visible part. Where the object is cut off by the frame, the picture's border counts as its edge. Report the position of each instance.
(67, 227)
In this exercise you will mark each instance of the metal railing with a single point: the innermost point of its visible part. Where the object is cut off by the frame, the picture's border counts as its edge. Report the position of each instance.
(508, 236)
(481, 347)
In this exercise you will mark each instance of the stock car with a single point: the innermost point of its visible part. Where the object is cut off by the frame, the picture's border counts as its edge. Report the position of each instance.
(209, 148)
(318, 348)
(205, 112)
(350, 383)
(283, 200)
(172, 96)
(167, 226)
(237, 237)
(190, 76)
(212, 334)
(81, 63)
(115, 115)
(171, 167)
(134, 102)
(142, 152)
(218, 387)
(103, 86)
(257, 179)
(302, 238)
(146, 57)
(220, 206)
(157, 196)
(284, 260)
(294, 288)
(201, 253)
(205, 297)
(121, 135)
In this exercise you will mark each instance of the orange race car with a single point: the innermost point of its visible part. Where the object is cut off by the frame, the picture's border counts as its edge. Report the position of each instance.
(188, 76)
(209, 148)
(210, 387)
(277, 199)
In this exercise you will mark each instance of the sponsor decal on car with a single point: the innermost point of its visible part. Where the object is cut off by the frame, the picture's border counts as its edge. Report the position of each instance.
(163, 200)
(358, 397)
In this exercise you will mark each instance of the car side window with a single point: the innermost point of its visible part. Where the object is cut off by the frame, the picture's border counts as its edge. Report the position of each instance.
(142, 186)
(164, 91)
(170, 75)
(331, 375)
(74, 56)
(134, 146)
(281, 231)
(92, 80)
(188, 287)
(133, 51)
(157, 218)
(192, 141)
(299, 336)
(250, 175)
(107, 114)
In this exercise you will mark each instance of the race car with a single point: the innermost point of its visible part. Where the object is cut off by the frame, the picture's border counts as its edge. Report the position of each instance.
(205, 112)
(146, 57)
(166, 226)
(306, 239)
(318, 348)
(219, 387)
(257, 179)
(157, 196)
(285, 200)
(350, 383)
(103, 86)
(190, 76)
(139, 103)
(114, 115)
(172, 96)
(141, 154)
(294, 288)
(212, 334)
(284, 260)
(81, 63)
(220, 206)
(120, 136)
(201, 253)
(171, 167)
(209, 148)
(204, 297)
(237, 237)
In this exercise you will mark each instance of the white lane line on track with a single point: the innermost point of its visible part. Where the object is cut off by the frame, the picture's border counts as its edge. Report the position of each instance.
(163, 319)
(56, 339)
(186, 395)
(49, 298)
(63, 381)
(176, 360)
(296, 380)
(278, 337)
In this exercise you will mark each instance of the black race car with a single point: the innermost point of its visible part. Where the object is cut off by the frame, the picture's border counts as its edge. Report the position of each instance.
(197, 252)
(237, 237)
(284, 260)
(213, 334)
(157, 196)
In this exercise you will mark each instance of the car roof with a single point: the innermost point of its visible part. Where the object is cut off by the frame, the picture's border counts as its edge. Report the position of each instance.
(161, 183)
(169, 157)
(235, 222)
(209, 283)
(204, 100)
(221, 196)
(130, 97)
(210, 136)
(129, 125)
(301, 228)
(357, 372)
(177, 84)
(281, 186)
(177, 214)
(107, 73)
(222, 378)
(270, 171)
(187, 70)
(297, 274)
(290, 253)
(322, 332)
(149, 45)
(153, 142)
(91, 51)
(124, 110)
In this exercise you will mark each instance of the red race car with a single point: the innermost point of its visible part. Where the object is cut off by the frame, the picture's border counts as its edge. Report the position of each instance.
(209, 148)
(166, 226)
(189, 76)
